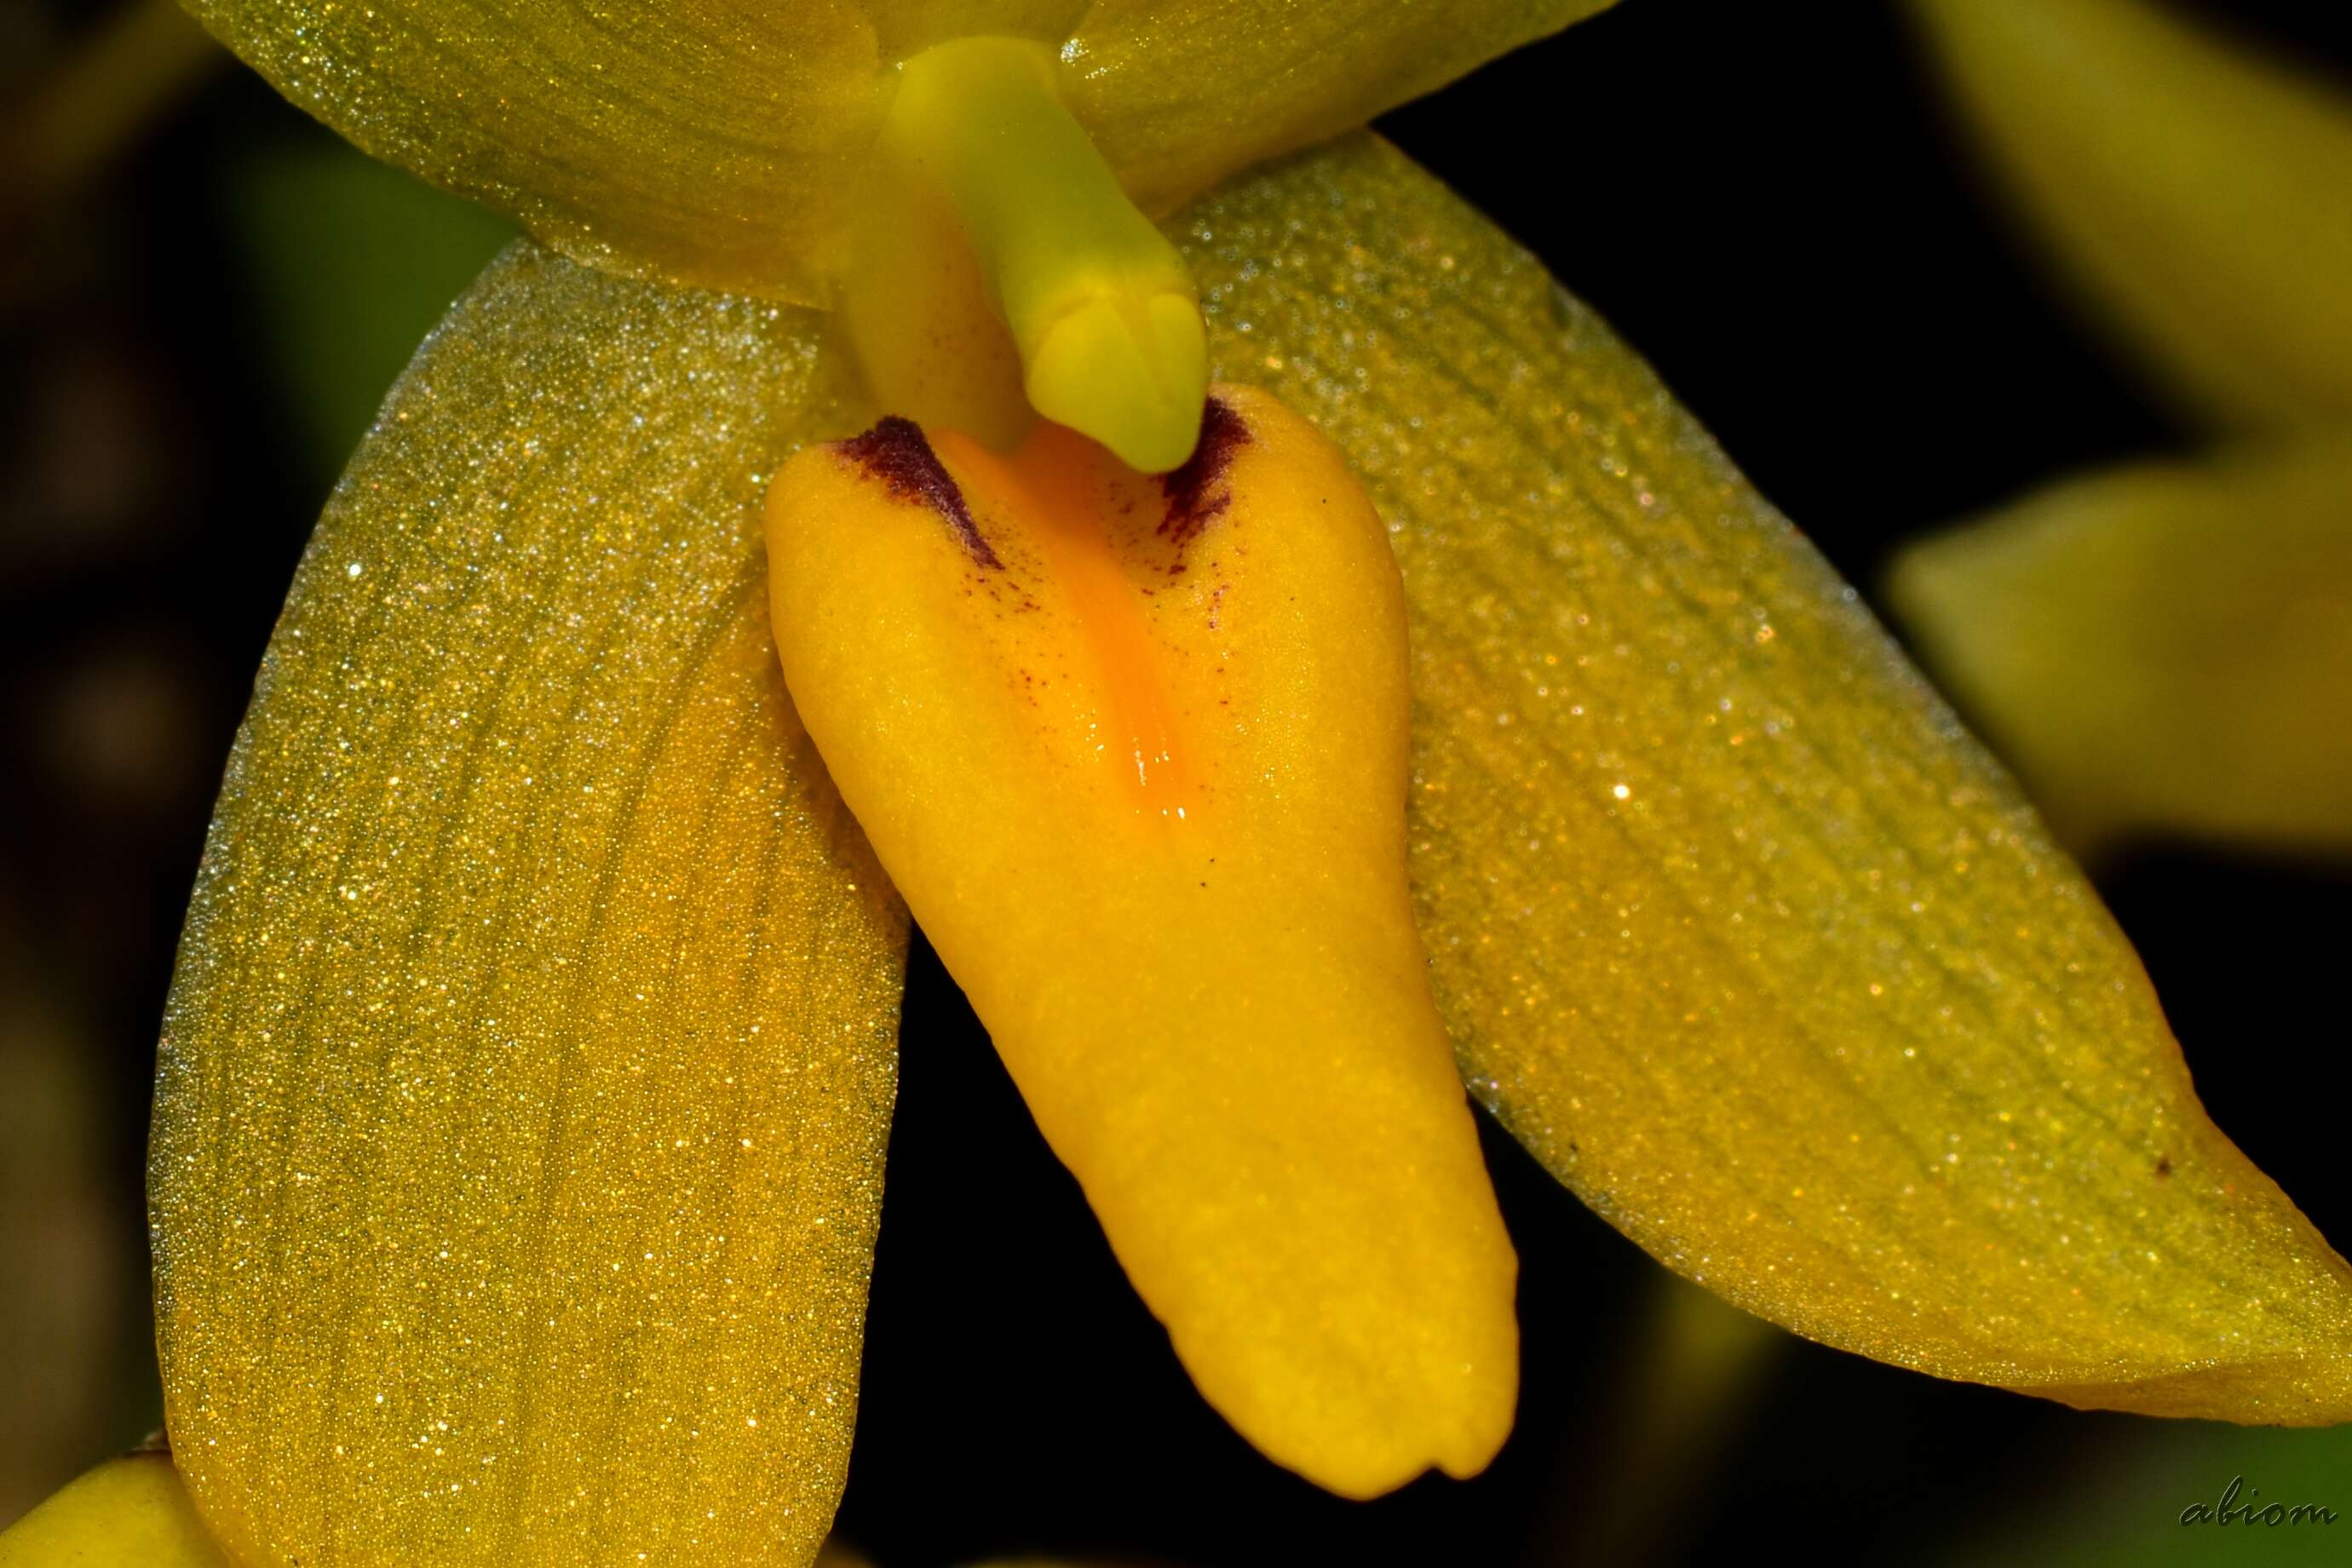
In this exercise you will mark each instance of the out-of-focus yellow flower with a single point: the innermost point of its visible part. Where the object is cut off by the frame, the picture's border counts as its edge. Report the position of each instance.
(2184, 631)
(2164, 649)
(2192, 189)
(127, 1511)
(134, 1512)
(526, 1081)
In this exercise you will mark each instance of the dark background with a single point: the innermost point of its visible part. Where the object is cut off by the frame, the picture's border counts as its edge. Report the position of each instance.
(1763, 198)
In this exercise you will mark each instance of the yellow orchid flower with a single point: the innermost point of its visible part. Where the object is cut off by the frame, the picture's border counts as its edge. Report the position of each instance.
(1362, 680)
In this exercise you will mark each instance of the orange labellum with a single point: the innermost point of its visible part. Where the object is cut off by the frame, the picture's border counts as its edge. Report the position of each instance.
(1134, 749)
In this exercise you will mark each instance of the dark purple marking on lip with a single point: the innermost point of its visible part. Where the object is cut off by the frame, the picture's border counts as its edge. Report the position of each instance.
(1193, 492)
(896, 452)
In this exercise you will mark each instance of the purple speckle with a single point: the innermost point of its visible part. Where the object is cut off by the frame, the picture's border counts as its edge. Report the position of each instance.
(896, 452)
(1194, 493)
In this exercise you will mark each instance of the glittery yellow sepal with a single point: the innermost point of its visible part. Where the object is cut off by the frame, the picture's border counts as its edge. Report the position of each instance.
(2196, 189)
(525, 1081)
(725, 143)
(1001, 270)
(1731, 922)
(2165, 648)
(132, 1513)
(1135, 752)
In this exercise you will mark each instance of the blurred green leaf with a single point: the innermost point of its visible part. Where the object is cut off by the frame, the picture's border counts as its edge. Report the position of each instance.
(354, 262)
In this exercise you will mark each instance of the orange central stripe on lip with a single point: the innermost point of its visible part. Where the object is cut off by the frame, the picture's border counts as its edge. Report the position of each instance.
(1049, 484)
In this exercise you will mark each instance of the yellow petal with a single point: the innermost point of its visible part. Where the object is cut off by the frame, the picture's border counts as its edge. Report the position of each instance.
(724, 143)
(714, 143)
(1181, 93)
(1733, 924)
(2195, 189)
(131, 1513)
(1135, 752)
(2164, 648)
(523, 1090)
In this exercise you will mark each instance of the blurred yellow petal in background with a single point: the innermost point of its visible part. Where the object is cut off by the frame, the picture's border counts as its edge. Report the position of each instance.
(131, 1513)
(2195, 189)
(134, 1512)
(2163, 648)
